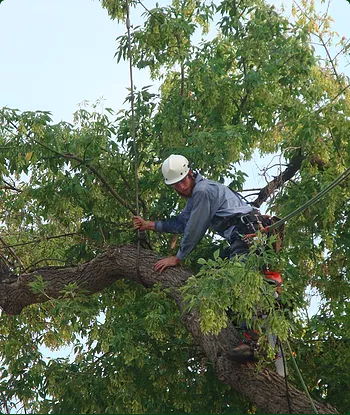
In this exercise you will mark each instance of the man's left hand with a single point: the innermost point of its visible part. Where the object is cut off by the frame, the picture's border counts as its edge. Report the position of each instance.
(164, 263)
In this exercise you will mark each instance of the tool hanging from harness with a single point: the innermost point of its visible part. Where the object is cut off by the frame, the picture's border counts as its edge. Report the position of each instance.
(254, 221)
(249, 224)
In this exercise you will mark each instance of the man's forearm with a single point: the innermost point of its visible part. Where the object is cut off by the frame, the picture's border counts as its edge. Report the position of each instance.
(150, 225)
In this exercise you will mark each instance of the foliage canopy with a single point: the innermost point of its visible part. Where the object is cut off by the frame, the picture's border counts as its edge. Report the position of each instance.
(68, 192)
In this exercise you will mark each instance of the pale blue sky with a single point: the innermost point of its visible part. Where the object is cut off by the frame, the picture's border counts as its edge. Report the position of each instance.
(55, 54)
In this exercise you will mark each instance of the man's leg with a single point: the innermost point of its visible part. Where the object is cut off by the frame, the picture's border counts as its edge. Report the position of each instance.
(244, 352)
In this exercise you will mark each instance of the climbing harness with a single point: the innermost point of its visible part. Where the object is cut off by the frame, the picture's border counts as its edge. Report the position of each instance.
(243, 222)
(246, 349)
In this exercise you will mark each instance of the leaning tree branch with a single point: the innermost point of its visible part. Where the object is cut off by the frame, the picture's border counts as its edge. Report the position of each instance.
(264, 388)
(279, 180)
(9, 186)
(127, 184)
(102, 179)
(93, 170)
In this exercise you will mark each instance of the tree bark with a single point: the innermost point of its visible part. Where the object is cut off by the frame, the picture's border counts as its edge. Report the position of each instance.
(265, 389)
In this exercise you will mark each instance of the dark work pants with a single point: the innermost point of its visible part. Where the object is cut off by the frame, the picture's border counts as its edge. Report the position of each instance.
(237, 247)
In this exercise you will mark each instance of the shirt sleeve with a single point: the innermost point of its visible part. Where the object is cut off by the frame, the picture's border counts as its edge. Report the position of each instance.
(197, 224)
(176, 224)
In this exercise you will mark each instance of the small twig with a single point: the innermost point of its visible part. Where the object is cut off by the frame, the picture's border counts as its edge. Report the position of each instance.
(31, 266)
(38, 240)
(251, 190)
(9, 186)
(330, 58)
(275, 165)
(332, 100)
(5, 403)
(252, 194)
(12, 252)
(151, 13)
(342, 50)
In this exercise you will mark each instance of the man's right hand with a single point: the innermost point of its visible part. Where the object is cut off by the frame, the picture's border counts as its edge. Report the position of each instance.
(140, 223)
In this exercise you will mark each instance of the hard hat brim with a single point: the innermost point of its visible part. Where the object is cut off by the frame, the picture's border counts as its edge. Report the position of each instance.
(174, 181)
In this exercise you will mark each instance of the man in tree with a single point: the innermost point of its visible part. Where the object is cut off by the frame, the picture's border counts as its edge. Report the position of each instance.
(209, 205)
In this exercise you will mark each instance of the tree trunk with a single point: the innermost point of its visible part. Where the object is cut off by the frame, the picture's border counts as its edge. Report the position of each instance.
(265, 389)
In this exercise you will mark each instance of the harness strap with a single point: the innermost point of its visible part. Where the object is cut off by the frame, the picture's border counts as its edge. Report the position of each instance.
(245, 223)
(240, 196)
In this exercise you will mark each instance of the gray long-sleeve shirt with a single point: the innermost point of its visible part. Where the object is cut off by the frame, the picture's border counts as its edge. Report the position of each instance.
(210, 203)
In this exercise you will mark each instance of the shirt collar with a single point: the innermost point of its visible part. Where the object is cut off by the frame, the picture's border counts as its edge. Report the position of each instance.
(198, 178)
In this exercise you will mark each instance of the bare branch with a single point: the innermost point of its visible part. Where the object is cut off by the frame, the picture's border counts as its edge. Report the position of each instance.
(32, 266)
(9, 186)
(330, 58)
(279, 180)
(46, 238)
(12, 253)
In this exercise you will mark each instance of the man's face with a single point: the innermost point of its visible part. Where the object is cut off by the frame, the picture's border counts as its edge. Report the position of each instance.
(185, 186)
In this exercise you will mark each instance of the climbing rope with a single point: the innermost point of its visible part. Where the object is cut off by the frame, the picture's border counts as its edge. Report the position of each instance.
(276, 225)
(301, 378)
(300, 209)
(285, 376)
(133, 132)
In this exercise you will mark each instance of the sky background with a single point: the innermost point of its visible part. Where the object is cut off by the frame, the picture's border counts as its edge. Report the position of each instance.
(57, 54)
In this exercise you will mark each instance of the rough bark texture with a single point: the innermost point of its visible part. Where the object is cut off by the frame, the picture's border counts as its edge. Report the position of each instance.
(265, 389)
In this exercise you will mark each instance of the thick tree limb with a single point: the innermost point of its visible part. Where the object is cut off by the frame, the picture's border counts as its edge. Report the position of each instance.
(279, 181)
(265, 389)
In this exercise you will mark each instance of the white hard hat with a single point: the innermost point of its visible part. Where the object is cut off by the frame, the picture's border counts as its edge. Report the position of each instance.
(175, 168)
